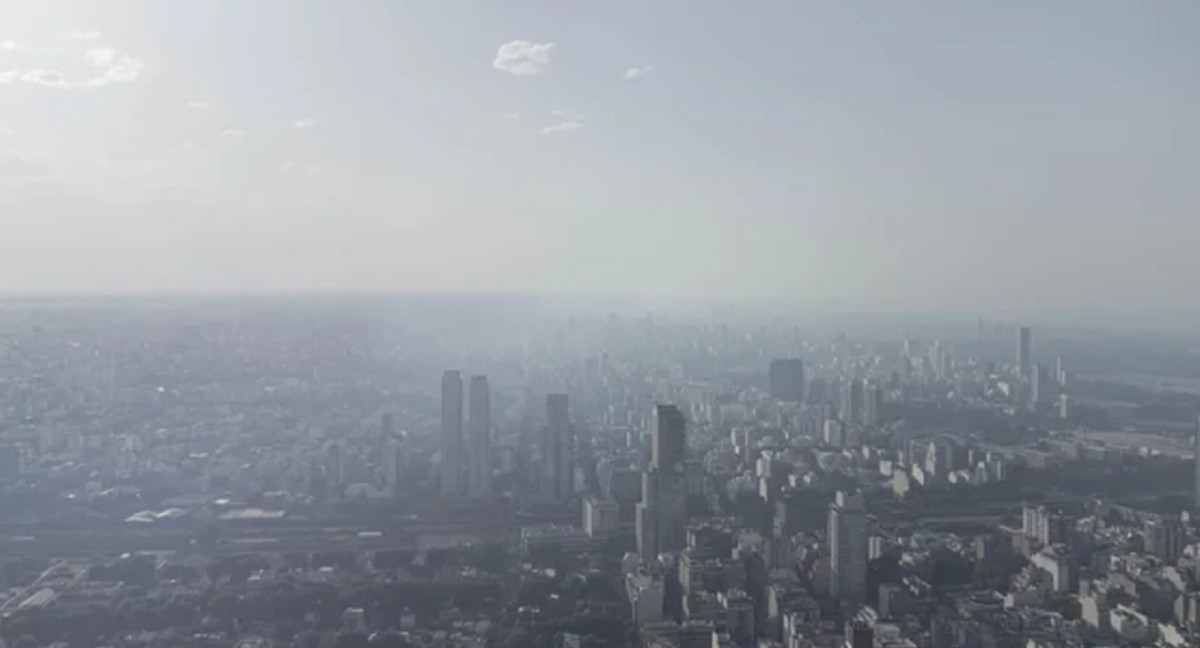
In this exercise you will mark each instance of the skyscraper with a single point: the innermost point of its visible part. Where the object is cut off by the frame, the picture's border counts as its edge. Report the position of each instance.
(1196, 449)
(848, 549)
(786, 378)
(662, 513)
(852, 402)
(335, 469)
(556, 448)
(669, 441)
(393, 466)
(479, 438)
(453, 482)
(1024, 352)
(1039, 385)
(872, 405)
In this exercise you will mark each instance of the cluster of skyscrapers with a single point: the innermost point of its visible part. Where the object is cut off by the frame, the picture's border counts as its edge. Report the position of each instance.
(466, 444)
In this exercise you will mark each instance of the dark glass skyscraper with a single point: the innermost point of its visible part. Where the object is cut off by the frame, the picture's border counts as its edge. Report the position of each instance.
(479, 438)
(662, 513)
(786, 380)
(1024, 352)
(556, 446)
(453, 475)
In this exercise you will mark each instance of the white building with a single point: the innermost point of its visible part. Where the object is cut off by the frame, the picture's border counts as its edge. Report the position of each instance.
(600, 516)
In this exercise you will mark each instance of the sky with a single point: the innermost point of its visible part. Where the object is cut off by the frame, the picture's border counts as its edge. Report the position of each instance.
(919, 155)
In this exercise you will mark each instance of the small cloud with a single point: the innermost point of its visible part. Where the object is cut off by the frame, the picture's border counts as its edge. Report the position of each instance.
(47, 78)
(513, 117)
(6, 133)
(635, 73)
(123, 69)
(10, 45)
(557, 113)
(111, 69)
(232, 133)
(15, 164)
(82, 35)
(523, 58)
(564, 127)
(304, 124)
(200, 105)
(101, 56)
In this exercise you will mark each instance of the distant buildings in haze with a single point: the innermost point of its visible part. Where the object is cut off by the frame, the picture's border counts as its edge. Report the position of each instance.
(466, 449)
(786, 380)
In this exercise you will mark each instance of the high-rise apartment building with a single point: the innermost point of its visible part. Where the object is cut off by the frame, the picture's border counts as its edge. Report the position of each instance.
(786, 380)
(479, 438)
(335, 469)
(1196, 462)
(1039, 385)
(848, 549)
(556, 448)
(1024, 352)
(852, 402)
(394, 463)
(453, 469)
(662, 513)
(872, 405)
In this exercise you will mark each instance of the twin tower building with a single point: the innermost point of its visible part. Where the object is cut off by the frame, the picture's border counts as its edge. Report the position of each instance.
(466, 449)
(467, 443)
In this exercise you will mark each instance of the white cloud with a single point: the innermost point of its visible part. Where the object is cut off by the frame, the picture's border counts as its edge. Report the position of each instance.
(200, 105)
(82, 35)
(304, 124)
(114, 69)
(557, 113)
(564, 127)
(513, 117)
(6, 133)
(230, 133)
(19, 164)
(101, 56)
(122, 70)
(48, 78)
(10, 45)
(635, 73)
(523, 58)
(110, 68)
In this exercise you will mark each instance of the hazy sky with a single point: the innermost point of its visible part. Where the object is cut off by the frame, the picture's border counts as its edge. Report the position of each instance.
(970, 155)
